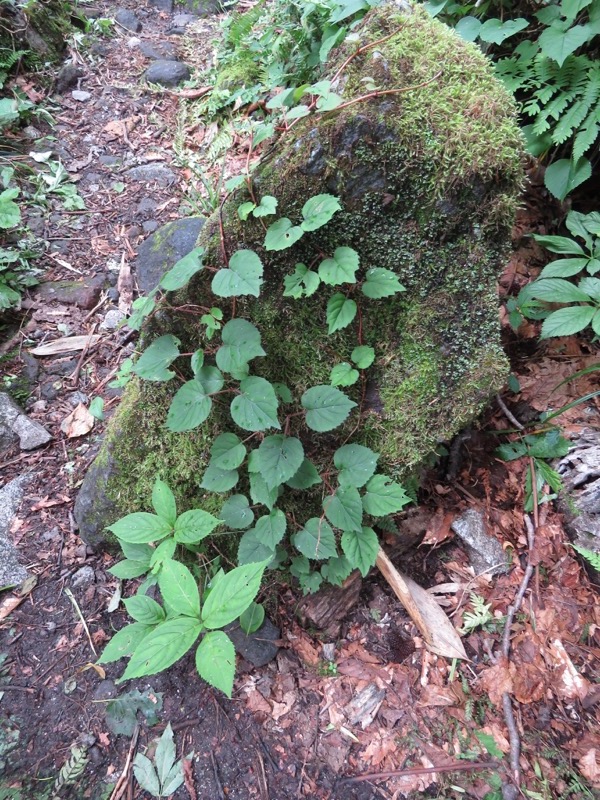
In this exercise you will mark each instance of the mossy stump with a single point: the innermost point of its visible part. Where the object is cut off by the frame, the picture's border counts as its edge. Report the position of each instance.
(428, 178)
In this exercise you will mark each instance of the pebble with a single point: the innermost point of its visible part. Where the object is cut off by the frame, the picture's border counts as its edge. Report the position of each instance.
(113, 294)
(83, 577)
(167, 73)
(149, 226)
(80, 95)
(153, 173)
(75, 398)
(112, 319)
(127, 19)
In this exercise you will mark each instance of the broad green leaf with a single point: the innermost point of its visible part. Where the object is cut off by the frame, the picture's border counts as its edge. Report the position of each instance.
(219, 480)
(336, 570)
(183, 271)
(145, 775)
(297, 112)
(363, 356)
(152, 364)
(141, 308)
(510, 451)
(251, 550)
(556, 290)
(266, 207)
(124, 642)
(316, 539)
(215, 661)
(260, 492)
(591, 287)
(255, 408)
(326, 407)
(194, 525)
(270, 529)
(211, 379)
(343, 375)
(227, 452)
(303, 283)
(468, 28)
(162, 647)
(283, 392)
(127, 569)
(318, 210)
(252, 618)
(138, 552)
(236, 512)
(279, 458)
(595, 323)
(341, 268)
(567, 321)
(340, 312)
(562, 176)
(245, 209)
(380, 283)
(189, 408)
(163, 502)
(179, 589)
(165, 550)
(96, 408)
(232, 595)
(164, 757)
(241, 343)
(564, 267)
(282, 234)
(356, 464)
(140, 527)
(244, 276)
(262, 132)
(560, 244)
(557, 44)
(344, 509)
(144, 609)
(496, 31)
(329, 101)
(361, 548)
(384, 496)
(306, 476)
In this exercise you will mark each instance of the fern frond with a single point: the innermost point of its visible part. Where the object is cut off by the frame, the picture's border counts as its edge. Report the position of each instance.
(589, 555)
(222, 142)
(242, 24)
(586, 137)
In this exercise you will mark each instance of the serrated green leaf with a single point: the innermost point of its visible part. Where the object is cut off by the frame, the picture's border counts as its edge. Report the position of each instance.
(96, 408)
(283, 392)
(343, 375)
(162, 647)
(557, 43)
(260, 492)
(282, 234)
(344, 509)
(326, 407)
(138, 552)
(336, 570)
(127, 569)
(145, 610)
(380, 283)
(356, 464)
(271, 528)
(189, 407)
(318, 210)
(306, 476)
(179, 589)
(591, 287)
(279, 458)
(557, 290)
(341, 268)
(194, 525)
(316, 540)
(236, 512)
(255, 408)
(567, 321)
(163, 502)
(363, 356)
(510, 451)
(232, 595)
(341, 311)
(251, 550)
(197, 361)
(227, 452)
(361, 547)
(242, 278)
(124, 642)
(303, 283)
(384, 496)
(183, 271)
(252, 618)
(266, 207)
(489, 744)
(165, 550)
(145, 774)
(219, 480)
(241, 343)
(215, 661)
(164, 756)
(211, 379)
(152, 364)
(140, 528)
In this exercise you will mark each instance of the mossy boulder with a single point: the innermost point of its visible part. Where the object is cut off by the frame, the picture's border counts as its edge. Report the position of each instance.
(428, 176)
(35, 26)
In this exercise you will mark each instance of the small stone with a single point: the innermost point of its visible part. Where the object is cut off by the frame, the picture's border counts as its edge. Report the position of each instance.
(162, 249)
(84, 294)
(146, 207)
(202, 8)
(61, 366)
(153, 173)
(31, 132)
(162, 5)
(159, 50)
(49, 391)
(105, 690)
(484, 550)
(110, 161)
(31, 434)
(83, 577)
(181, 20)
(149, 226)
(167, 73)
(127, 19)
(80, 95)
(39, 406)
(99, 49)
(76, 398)
(112, 319)
(113, 294)
(259, 647)
(133, 42)
(67, 77)
(31, 367)
(11, 572)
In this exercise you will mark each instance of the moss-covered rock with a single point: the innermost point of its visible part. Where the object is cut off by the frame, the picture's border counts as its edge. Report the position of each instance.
(428, 176)
(35, 26)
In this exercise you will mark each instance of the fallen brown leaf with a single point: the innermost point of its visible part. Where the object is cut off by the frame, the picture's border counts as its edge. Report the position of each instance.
(589, 766)
(67, 344)
(78, 422)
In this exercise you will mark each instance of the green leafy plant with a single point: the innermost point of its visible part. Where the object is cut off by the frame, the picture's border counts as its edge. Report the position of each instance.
(590, 556)
(162, 775)
(71, 771)
(480, 617)
(16, 272)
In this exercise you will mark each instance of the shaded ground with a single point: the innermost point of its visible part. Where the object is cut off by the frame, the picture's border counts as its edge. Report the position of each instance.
(366, 698)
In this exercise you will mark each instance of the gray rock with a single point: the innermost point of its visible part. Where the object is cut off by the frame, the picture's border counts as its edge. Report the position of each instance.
(258, 648)
(164, 248)
(167, 73)
(162, 5)
(11, 572)
(149, 225)
(159, 50)
(112, 319)
(50, 390)
(67, 77)
(146, 207)
(113, 294)
(84, 577)
(31, 367)
(76, 398)
(152, 173)
(94, 510)
(14, 424)
(484, 550)
(110, 161)
(84, 293)
(80, 96)
(181, 20)
(60, 366)
(105, 690)
(127, 19)
(31, 132)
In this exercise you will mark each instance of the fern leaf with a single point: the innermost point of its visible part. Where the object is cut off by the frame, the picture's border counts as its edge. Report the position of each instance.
(589, 555)
(570, 121)
(585, 139)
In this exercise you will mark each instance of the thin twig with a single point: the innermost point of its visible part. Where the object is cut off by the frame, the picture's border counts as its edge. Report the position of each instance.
(382, 92)
(362, 50)
(75, 374)
(400, 773)
(508, 414)
(71, 597)
(216, 775)
(121, 784)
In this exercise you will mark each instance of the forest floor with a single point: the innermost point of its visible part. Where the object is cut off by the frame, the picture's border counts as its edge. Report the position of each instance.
(363, 699)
